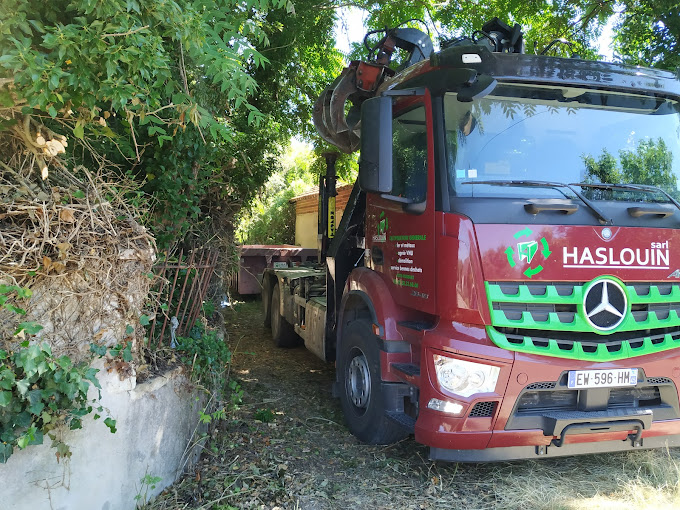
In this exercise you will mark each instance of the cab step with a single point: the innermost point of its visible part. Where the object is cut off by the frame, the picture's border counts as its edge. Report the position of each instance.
(403, 419)
(407, 372)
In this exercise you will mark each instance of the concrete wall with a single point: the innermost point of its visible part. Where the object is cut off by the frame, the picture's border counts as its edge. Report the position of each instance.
(156, 421)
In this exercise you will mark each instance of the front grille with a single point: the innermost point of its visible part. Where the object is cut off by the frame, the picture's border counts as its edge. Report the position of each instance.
(541, 386)
(642, 397)
(567, 400)
(590, 342)
(483, 409)
(545, 401)
(548, 318)
(659, 380)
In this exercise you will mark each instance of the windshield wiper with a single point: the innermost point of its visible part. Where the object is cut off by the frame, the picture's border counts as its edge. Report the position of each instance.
(629, 187)
(549, 184)
(528, 184)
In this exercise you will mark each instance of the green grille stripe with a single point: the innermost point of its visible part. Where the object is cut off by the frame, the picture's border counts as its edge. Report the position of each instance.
(654, 295)
(551, 297)
(496, 295)
(577, 352)
(579, 324)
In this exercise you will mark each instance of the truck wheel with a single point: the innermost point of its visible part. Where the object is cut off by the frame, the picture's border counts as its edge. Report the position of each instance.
(360, 386)
(282, 332)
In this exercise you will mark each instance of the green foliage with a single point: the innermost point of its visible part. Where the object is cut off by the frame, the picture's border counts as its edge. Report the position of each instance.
(648, 33)
(132, 59)
(197, 184)
(206, 354)
(209, 359)
(542, 20)
(148, 483)
(650, 163)
(207, 418)
(264, 415)
(124, 351)
(208, 308)
(604, 169)
(270, 217)
(39, 391)
(165, 90)
(302, 61)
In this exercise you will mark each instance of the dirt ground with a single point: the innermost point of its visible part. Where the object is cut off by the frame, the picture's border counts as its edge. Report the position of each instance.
(286, 447)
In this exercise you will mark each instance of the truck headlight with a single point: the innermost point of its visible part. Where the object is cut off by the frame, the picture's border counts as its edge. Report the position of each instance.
(444, 407)
(465, 378)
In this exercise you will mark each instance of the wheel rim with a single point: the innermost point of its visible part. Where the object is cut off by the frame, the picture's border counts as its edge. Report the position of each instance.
(359, 381)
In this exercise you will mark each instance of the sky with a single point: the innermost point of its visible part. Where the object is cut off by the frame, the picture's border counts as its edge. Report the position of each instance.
(349, 28)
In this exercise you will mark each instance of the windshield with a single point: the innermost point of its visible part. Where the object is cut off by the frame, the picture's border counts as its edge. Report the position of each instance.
(568, 135)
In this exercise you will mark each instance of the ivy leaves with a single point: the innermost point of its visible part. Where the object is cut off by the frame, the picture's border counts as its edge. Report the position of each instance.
(39, 391)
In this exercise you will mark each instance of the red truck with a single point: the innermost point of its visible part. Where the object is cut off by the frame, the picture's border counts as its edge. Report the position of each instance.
(505, 280)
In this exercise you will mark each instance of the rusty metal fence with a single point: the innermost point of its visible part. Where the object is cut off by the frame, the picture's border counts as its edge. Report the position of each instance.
(182, 289)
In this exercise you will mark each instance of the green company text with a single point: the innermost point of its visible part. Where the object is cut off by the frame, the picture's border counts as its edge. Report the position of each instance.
(404, 283)
(413, 237)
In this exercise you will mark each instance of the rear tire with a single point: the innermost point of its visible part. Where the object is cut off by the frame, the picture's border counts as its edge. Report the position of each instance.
(282, 331)
(361, 395)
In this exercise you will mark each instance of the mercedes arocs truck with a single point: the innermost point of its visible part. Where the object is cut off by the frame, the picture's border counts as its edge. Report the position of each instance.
(505, 280)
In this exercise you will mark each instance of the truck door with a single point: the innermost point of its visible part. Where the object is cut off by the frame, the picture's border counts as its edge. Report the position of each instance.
(400, 225)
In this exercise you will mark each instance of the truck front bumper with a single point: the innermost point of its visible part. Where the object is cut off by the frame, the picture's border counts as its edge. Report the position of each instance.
(533, 413)
(506, 453)
(617, 434)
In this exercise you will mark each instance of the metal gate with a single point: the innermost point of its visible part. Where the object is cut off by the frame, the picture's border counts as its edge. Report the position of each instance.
(182, 289)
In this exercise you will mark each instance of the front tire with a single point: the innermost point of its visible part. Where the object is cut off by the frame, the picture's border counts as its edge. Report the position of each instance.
(361, 395)
(282, 331)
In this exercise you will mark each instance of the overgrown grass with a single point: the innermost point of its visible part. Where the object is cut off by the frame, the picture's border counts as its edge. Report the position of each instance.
(648, 479)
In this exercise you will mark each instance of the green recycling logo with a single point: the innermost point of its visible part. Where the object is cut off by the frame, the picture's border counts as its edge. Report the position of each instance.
(382, 224)
(527, 251)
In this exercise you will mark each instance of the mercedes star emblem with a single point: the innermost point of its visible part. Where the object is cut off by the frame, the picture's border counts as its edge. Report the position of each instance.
(605, 304)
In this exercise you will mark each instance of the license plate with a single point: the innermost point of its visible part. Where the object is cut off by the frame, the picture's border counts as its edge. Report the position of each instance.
(280, 265)
(579, 379)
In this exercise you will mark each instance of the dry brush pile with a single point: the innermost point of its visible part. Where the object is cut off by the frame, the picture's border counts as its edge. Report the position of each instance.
(68, 233)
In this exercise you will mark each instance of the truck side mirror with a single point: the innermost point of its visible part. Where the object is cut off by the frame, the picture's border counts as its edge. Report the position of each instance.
(375, 160)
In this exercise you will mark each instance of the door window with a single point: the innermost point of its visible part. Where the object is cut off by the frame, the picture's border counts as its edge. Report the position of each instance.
(409, 155)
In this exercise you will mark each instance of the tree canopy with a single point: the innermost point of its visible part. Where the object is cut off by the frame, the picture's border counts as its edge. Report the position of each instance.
(191, 98)
(195, 100)
(648, 33)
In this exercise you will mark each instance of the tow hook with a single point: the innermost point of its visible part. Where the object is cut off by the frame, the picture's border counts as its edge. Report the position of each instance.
(635, 439)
